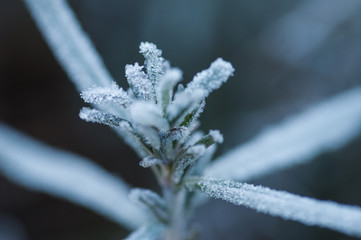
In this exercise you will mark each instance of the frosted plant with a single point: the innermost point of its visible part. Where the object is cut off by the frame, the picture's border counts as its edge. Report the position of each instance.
(158, 117)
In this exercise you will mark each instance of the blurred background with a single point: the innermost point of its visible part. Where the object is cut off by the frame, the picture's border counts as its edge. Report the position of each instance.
(287, 55)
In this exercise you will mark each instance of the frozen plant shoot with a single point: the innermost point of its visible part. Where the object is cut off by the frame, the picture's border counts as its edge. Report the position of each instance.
(157, 116)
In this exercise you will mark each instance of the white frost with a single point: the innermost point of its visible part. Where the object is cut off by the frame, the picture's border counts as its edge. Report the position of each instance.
(112, 94)
(43, 168)
(212, 78)
(338, 217)
(148, 114)
(165, 86)
(325, 126)
(96, 116)
(139, 82)
(70, 44)
(153, 60)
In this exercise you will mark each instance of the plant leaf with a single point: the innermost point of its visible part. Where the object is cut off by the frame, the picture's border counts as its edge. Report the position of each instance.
(39, 167)
(153, 61)
(212, 78)
(69, 43)
(152, 201)
(326, 126)
(102, 95)
(343, 218)
(139, 82)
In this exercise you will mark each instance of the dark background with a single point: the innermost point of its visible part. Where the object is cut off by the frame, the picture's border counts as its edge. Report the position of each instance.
(274, 78)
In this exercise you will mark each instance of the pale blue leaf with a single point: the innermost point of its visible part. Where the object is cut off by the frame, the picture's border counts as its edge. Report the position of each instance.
(343, 218)
(39, 167)
(70, 44)
(326, 126)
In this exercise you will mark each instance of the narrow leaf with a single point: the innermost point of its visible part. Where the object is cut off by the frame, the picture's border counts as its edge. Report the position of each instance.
(326, 126)
(185, 104)
(153, 61)
(212, 78)
(150, 162)
(101, 95)
(139, 82)
(214, 136)
(69, 43)
(96, 116)
(152, 201)
(343, 218)
(39, 167)
(190, 156)
(164, 89)
(148, 114)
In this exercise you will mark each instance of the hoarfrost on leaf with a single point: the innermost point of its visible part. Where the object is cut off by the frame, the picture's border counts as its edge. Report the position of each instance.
(112, 94)
(338, 217)
(150, 162)
(59, 173)
(96, 116)
(148, 114)
(139, 82)
(164, 88)
(294, 141)
(211, 78)
(153, 60)
(152, 201)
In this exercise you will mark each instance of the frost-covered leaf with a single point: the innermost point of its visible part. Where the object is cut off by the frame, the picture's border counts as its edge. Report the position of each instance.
(164, 89)
(128, 134)
(338, 217)
(148, 114)
(214, 136)
(149, 135)
(139, 82)
(96, 116)
(326, 126)
(189, 157)
(204, 160)
(112, 94)
(43, 168)
(69, 43)
(150, 162)
(148, 232)
(185, 108)
(212, 78)
(152, 201)
(153, 60)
